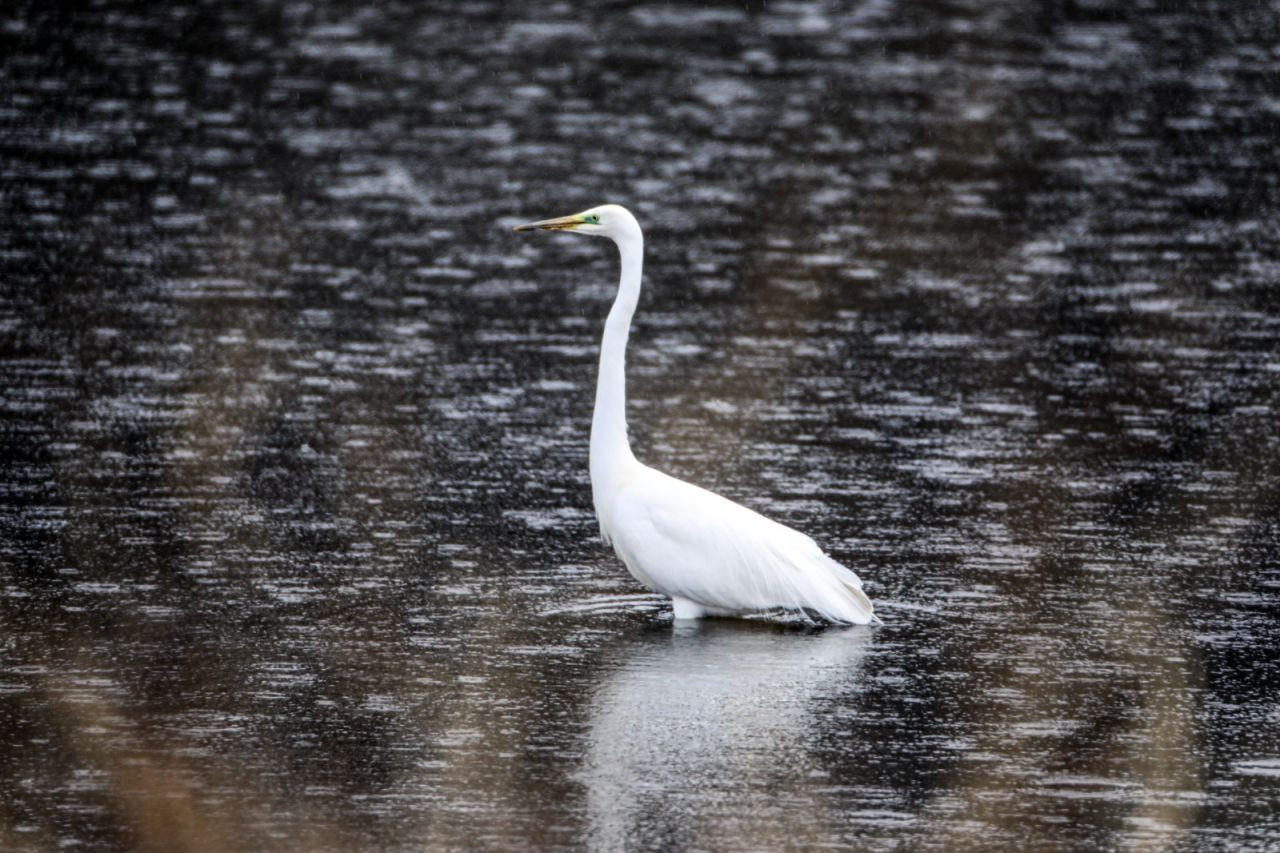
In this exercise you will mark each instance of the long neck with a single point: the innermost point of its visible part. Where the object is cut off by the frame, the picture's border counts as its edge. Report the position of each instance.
(610, 450)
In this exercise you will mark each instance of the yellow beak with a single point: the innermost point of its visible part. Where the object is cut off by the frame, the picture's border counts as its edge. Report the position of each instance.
(563, 223)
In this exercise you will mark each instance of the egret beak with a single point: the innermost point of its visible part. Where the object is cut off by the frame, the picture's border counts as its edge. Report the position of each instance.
(563, 223)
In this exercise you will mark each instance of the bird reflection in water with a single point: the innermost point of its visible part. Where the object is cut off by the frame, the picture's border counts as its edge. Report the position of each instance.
(702, 737)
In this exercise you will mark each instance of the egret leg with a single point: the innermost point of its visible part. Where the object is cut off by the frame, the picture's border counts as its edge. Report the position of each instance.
(683, 608)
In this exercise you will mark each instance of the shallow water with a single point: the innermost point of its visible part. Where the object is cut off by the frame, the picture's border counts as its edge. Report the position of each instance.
(296, 542)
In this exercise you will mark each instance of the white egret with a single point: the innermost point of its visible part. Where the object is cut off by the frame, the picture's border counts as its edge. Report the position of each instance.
(712, 556)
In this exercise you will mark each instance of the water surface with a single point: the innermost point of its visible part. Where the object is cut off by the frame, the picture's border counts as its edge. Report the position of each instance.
(296, 543)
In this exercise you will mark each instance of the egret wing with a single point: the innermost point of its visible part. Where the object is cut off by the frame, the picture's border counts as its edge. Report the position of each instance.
(686, 541)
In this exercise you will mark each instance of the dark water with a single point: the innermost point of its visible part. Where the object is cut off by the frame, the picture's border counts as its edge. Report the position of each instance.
(296, 549)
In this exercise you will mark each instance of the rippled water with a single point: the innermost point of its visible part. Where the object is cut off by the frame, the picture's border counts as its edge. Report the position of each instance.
(296, 548)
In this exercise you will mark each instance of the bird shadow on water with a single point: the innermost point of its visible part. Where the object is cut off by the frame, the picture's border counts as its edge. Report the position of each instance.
(695, 728)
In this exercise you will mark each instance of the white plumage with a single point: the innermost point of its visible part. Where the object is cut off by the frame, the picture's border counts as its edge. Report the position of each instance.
(711, 555)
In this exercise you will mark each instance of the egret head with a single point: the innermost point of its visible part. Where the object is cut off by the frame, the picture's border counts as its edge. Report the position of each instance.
(607, 220)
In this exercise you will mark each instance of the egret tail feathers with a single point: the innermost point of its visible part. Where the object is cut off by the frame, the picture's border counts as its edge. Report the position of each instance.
(822, 585)
(853, 589)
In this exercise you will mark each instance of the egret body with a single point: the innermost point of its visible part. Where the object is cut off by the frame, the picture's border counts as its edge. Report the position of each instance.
(712, 556)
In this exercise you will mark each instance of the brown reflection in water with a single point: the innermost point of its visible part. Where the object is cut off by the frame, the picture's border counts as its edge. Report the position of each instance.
(141, 786)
